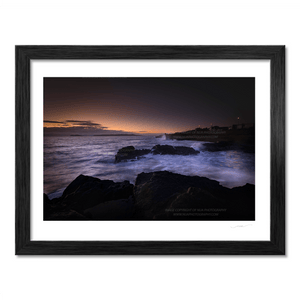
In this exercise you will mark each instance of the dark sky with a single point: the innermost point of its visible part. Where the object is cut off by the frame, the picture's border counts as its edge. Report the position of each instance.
(145, 105)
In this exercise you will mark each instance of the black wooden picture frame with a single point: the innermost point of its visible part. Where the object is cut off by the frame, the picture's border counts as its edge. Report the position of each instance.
(276, 245)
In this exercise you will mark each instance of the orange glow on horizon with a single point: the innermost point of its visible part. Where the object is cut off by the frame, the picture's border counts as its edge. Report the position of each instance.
(115, 124)
(146, 105)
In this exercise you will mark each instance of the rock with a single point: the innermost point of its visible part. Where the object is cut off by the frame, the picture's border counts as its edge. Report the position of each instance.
(154, 192)
(225, 146)
(47, 206)
(242, 202)
(219, 146)
(51, 206)
(169, 196)
(163, 149)
(54, 211)
(170, 150)
(156, 196)
(197, 198)
(86, 191)
(130, 153)
(195, 204)
(69, 215)
(122, 209)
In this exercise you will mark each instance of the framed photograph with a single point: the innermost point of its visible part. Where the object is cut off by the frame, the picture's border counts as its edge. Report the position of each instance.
(150, 150)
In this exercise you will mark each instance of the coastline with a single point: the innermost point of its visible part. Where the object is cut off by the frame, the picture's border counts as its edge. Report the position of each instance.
(158, 195)
(220, 140)
(241, 136)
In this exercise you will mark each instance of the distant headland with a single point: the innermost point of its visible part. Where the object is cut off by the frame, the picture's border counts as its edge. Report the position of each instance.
(238, 133)
(125, 134)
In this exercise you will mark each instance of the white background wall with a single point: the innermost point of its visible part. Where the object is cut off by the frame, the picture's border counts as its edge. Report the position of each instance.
(155, 22)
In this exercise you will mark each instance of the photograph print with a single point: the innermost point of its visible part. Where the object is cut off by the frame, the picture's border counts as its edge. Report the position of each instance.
(135, 149)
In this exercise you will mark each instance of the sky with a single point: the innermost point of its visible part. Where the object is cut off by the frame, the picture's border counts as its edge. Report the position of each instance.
(145, 105)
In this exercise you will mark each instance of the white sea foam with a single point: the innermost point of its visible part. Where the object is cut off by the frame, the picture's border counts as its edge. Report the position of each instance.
(67, 157)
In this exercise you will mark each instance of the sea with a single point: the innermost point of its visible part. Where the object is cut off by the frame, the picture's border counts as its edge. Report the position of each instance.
(66, 157)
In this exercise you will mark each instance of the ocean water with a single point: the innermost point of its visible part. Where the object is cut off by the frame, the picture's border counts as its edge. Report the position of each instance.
(66, 157)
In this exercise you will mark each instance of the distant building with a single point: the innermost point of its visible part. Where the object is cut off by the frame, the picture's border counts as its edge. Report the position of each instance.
(242, 126)
(219, 128)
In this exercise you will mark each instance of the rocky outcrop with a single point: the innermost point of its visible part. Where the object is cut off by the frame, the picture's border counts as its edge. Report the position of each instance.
(218, 134)
(225, 146)
(68, 215)
(130, 153)
(168, 196)
(176, 150)
(219, 146)
(46, 206)
(155, 196)
(122, 209)
(156, 192)
(54, 210)
(86, 192)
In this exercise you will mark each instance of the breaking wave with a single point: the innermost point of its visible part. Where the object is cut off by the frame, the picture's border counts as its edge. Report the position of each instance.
(94, 156)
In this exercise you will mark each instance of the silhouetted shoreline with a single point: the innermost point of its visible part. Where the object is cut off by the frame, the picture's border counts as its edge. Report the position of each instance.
(129, 134)
(159, 195)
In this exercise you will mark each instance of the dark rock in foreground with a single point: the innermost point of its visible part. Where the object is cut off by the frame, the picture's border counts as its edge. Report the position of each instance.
(157, 192)
(46, 206)
(53, 210)
(122, 209)
(85, 192)
(130, 153)
(156, 196)
(168, 196)
(67, 215)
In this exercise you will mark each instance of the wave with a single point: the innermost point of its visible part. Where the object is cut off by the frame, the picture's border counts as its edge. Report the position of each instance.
(88, 157)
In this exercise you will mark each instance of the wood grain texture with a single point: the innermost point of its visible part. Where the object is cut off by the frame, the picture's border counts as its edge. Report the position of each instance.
(149, 248)
(150, 52)
(276, 245)
(22, 222)
(278, 150)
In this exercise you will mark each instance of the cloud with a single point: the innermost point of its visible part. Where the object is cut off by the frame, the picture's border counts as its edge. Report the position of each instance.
(78, 124)
(88, 124)
(56, 122)
(80, 121)
(74, 121)
(142, 131)
(80, 130)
